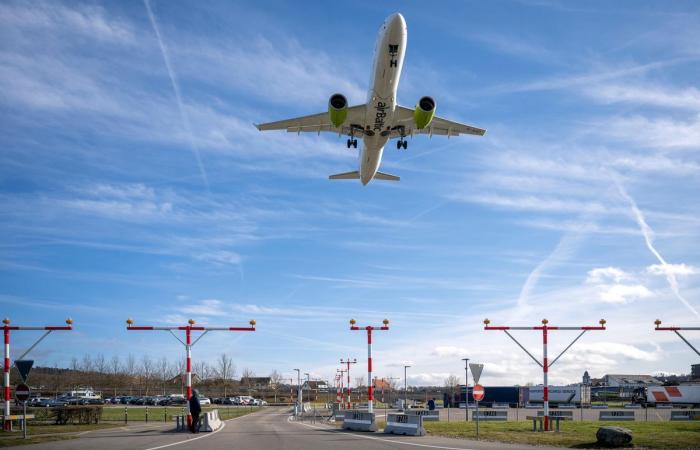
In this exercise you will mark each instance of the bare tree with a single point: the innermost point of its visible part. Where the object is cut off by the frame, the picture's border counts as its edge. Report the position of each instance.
(226, 370)
(146, 372)
(163, 368)
(115, 370)
(452, 385)
(276, 380)
(130, 369)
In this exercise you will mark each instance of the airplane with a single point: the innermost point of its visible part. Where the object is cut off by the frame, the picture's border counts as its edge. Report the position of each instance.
(381, 118)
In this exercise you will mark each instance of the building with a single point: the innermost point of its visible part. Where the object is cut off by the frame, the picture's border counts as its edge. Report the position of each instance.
(695, 372)
(257, 382)
(628, 381)
(315, 386)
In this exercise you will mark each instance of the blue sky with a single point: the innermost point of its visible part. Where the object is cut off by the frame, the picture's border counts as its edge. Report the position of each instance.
(134, 189)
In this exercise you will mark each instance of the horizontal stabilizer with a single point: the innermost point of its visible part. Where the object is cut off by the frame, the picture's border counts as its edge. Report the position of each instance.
(355, 175)
(386, 176)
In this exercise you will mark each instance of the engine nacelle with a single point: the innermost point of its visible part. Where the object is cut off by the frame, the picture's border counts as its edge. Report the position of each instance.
(424, 112)
(338, 109)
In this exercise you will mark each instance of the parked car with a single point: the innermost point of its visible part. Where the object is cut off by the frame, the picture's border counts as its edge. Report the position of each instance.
(204, 401)
(90, 401)
(56, 402)
(176, 399)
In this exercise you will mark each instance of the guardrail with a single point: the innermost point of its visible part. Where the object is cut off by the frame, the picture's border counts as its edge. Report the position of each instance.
(616, 415)
(689, 414)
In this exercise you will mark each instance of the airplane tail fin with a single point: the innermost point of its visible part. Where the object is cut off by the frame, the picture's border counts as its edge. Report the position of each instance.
(354, 175)
(386, 176)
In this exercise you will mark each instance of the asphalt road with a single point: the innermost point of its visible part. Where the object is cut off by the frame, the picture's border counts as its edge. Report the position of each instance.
(269, 429)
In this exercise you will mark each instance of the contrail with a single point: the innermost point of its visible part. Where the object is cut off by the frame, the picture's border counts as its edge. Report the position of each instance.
(176, 88)
(649, 239)
(567, 244)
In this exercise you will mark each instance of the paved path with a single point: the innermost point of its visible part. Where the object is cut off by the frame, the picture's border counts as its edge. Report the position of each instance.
(269, 429)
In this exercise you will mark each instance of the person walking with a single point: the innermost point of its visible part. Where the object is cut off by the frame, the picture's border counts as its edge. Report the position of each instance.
(195, 410)
(431, 404)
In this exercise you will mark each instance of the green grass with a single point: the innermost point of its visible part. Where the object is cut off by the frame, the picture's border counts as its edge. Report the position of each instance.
(166, 414)
(654, 435)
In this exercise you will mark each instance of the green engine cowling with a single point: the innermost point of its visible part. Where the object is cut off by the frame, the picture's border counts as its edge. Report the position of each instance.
(338, 109)
(424, 112)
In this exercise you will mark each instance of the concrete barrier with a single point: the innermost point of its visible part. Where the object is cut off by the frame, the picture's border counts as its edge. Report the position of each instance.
(428, 416)
(210, 421)
(500, 406)
(599, 406)
(500, 416)
(555, 413)
(406, 424)
(180, 423)
(339, 415)
(359, 421)
(664, 406)
(532, 406)
(616, 415)
(688, 414)
(567, 406)
(633, 406)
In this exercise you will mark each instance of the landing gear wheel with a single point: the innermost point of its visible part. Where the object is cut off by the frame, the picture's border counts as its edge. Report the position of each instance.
(398, 145)
(349, 143)
(405, 144)
(354, 143)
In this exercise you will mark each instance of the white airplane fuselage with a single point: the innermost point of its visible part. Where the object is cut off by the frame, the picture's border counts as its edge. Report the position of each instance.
(381, 98)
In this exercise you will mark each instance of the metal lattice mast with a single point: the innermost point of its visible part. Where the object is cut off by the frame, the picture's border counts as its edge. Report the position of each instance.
(676, 330)
(347, 362)
(7, 425)
(369, 329)
(545, 364)
(188, 329)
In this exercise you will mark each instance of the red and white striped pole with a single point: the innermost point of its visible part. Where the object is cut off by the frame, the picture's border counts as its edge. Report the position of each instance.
(341, 372)
(7, 424)
(545, 364)
(677, 330)
(347, 363)
(188, 329)
(369, 329)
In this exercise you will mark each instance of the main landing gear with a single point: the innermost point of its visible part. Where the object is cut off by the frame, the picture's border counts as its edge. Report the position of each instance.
(402, 143)
(352, 143)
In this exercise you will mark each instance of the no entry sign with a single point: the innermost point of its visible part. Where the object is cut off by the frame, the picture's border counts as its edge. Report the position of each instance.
(478, 392)
(22, 392)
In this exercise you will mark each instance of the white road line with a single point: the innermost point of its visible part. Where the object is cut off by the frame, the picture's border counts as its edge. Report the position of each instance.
(391, 440)
(223, 425)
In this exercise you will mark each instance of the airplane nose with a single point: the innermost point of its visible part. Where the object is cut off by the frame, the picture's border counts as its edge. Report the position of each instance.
(397, 19)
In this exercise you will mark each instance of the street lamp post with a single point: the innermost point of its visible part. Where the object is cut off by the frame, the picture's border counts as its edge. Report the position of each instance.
(347, 362)
(466, 389)
(405, 388)
(308, 385)
(298, 408)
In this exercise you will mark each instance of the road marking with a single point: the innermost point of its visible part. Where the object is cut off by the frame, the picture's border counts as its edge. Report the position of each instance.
(389, 440)
(223, 425)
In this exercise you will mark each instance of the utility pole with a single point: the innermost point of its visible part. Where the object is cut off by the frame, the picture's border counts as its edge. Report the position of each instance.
(7, 424)
(405, 387)
(545, 364)
(369, 329)
(299, 400)
(188, 329)
(466, 389)
(308, 385)
(347, 362)
(676, 330)
(341, 388)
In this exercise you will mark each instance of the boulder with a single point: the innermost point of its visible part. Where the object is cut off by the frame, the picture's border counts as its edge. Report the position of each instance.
(614, 436)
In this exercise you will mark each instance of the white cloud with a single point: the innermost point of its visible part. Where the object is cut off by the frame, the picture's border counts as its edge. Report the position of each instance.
(604, 274)
(650, 94)
(447, 351)
(623, 293)
(675, 269)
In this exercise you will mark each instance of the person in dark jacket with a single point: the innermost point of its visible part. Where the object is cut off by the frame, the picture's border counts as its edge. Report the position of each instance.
(195, 410)
(431, 404)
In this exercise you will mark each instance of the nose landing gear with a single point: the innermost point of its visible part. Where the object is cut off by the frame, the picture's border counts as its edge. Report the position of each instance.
(352, 143)
(402, 143)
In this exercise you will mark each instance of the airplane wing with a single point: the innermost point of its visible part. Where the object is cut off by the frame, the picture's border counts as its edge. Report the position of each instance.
(438, 126)
(316, 123)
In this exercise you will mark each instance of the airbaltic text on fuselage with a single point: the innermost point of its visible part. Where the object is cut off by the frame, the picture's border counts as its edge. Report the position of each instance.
(381, 115)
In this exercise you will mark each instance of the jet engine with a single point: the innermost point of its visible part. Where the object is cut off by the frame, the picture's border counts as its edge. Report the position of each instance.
(424, 112)
(338, 109)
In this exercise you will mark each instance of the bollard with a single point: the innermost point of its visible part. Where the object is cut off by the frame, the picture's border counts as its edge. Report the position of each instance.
(146, 414)
(126, 414)
(165, 413)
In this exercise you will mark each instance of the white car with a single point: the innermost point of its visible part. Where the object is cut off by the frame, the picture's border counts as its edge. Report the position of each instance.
(204, 401)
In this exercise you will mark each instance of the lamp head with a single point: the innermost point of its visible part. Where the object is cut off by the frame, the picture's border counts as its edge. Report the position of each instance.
(657, 322)
(487, 322)
(191, 322)
(545, 321)
(385, 322)
(352, 322)
(602, 322)
(69, 322)
(252, 322)
(129, 321)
